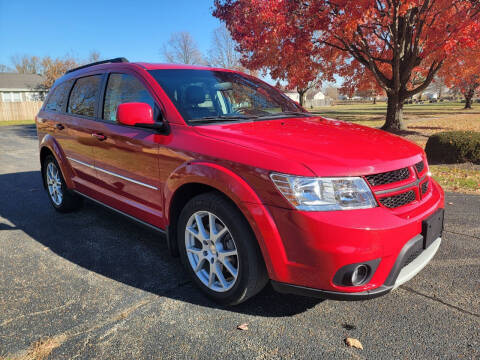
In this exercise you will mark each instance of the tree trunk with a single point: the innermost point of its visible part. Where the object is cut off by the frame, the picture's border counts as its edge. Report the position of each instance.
(468, 98)
(374, 100)
(394, 120)
(301, 95)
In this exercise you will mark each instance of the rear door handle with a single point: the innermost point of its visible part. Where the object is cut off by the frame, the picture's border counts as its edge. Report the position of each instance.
(59, 126)
(99, 137)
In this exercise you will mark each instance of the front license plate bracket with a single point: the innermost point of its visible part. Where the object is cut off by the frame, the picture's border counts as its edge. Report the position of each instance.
(432, 227)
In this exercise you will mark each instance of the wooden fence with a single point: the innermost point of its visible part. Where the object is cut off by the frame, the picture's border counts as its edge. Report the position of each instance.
(25, 110)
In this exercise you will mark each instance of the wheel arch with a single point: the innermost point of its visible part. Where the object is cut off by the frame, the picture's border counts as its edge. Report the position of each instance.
(199, 177)
(49, 146)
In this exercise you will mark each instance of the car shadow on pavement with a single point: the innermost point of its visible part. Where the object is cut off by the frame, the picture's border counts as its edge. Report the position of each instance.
(109, 244)
(24, 131)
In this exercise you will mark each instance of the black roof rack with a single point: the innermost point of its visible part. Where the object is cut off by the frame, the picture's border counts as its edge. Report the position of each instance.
(115, 60)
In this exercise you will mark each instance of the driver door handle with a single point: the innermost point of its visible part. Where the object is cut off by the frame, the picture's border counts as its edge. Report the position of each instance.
(99, 136)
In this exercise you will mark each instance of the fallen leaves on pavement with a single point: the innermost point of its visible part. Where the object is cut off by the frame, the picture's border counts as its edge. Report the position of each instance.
(243, 327)
(351, 342)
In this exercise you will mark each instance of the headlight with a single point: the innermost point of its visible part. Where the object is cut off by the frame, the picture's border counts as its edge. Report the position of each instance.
(324, 194)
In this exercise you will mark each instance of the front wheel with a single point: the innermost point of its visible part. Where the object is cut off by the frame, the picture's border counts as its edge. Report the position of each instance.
(62, 199)
(219, 250)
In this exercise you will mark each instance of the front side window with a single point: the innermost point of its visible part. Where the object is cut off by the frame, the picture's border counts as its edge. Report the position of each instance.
(58, 98)
(84, 95)
(124, 88)
(216, 95)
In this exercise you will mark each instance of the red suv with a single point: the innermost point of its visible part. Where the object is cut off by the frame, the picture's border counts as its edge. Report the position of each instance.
(247, 186)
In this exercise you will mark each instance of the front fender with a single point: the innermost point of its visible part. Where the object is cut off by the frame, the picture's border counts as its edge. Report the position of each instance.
(49, 142)
(244, 197)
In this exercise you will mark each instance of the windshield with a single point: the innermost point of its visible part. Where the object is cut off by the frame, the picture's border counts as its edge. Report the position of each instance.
(210, 96)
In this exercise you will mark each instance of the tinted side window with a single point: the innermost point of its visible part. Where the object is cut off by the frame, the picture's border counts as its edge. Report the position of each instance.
(123, 88)
(58, 98)
(84, 96)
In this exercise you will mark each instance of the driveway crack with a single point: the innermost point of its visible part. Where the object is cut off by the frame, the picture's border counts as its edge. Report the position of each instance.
(454, 307)
(456, 233)
(8, 321)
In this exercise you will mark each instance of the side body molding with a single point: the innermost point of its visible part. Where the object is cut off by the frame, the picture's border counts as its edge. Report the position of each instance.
(244, 197)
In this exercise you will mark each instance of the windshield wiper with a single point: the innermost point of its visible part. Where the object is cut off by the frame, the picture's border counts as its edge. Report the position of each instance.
(286, 113)
(297, 113)
(222, 118)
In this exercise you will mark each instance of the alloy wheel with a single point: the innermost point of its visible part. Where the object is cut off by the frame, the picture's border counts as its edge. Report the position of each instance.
(211, 251)
(54, 183)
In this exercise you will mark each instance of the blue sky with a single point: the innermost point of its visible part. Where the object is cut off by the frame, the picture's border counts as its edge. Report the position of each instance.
(133, 29)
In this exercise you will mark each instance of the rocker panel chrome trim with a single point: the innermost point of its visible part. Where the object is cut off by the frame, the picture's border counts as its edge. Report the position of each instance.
(112, 173)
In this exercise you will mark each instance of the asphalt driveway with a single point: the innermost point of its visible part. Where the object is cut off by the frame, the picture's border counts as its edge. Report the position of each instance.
(96, 285)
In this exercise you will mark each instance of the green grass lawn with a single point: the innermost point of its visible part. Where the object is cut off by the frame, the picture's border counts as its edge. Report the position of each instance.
(374, 114)
(17, 122)
(409, 109)
(457, 177)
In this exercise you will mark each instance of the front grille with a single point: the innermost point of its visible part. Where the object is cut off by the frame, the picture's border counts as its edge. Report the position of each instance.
(424, 187)
(420, 166)
(398, 200)
(388, 177)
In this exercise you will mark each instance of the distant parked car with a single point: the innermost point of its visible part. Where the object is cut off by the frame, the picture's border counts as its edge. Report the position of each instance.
(246, 184)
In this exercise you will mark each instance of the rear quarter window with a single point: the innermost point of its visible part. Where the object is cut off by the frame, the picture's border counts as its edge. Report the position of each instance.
(58, 98)
(84, 95)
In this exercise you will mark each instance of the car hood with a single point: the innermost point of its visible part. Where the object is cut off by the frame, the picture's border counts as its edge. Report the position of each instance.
(325, 146)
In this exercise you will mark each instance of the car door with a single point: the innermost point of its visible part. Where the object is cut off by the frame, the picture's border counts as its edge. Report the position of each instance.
(74, 128)
(126, 157)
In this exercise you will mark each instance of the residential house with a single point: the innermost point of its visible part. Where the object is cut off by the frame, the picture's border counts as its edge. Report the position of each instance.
(16, 87)
(312, 98)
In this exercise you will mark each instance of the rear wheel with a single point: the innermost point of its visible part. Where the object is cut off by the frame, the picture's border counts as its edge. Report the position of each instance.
(62, 199)
(219, 249)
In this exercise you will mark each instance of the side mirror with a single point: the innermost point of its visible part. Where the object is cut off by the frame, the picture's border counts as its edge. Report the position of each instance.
(139, 115)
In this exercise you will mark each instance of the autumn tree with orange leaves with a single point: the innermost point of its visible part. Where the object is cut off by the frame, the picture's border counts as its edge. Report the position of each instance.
(462, 72)
(49, 68)
(360, 81)
(391, 39)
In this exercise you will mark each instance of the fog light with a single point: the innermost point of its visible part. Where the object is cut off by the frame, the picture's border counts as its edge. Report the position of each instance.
(356, 274)
(359, 275)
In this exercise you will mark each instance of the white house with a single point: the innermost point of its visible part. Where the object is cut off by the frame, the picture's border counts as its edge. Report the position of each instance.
(313, 98)
(21, 87)
(292, 94)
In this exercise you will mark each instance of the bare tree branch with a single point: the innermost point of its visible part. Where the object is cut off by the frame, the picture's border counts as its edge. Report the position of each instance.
(182, 49)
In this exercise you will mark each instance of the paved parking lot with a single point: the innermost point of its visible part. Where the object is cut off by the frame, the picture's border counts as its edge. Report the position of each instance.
(96, 285)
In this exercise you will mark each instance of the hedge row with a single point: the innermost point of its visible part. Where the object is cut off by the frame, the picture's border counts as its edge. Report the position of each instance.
(454, 147)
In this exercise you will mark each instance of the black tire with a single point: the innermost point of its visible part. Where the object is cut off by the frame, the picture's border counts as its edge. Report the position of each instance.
(70, 201)
(252, 275)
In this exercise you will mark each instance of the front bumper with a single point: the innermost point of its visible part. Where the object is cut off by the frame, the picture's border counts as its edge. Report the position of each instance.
(400, 274)
(304, 250)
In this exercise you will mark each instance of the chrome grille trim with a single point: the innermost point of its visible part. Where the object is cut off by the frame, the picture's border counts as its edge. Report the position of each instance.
(412, 184)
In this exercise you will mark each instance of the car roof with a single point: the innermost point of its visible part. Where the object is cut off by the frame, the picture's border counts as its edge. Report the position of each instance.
(160, 66)
(145, 66)
(75, 73)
